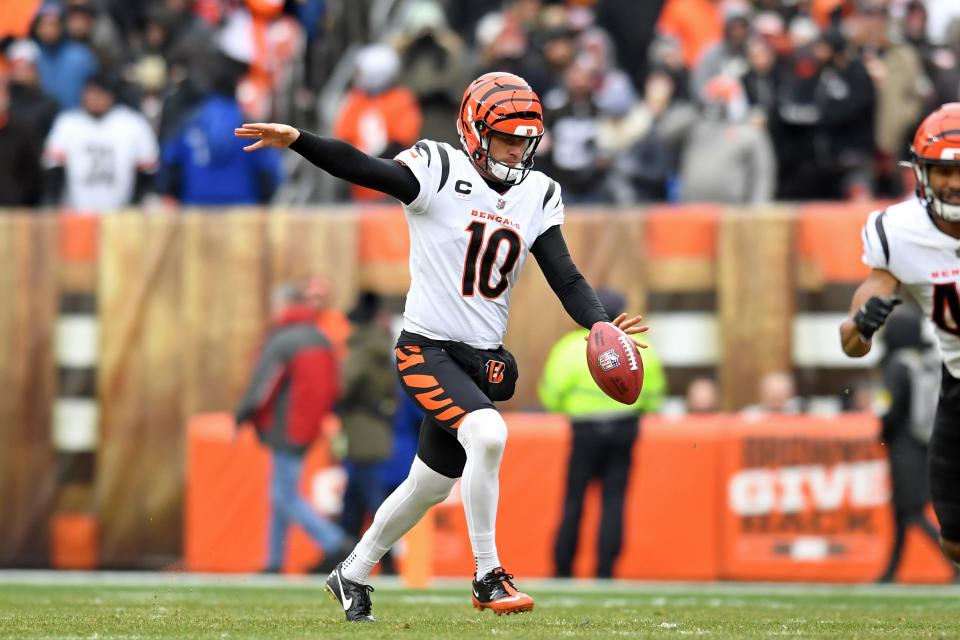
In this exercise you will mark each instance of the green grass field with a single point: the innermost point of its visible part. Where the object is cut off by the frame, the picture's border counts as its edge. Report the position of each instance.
(100, 606)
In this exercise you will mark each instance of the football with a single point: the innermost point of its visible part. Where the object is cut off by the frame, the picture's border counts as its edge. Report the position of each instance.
(614, 361)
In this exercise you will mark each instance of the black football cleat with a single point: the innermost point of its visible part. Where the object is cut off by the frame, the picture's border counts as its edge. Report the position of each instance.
(352, 596)
(495, 591)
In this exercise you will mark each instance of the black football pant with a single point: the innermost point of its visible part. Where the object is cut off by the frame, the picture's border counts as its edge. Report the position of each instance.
(945, 458)
(601, 450)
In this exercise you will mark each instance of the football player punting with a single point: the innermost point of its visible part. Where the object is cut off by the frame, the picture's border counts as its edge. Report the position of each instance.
(474, 214)
(916, 244)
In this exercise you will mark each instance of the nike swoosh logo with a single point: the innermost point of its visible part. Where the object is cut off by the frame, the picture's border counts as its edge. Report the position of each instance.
(344, 600)
(476, 595)
(511, 598)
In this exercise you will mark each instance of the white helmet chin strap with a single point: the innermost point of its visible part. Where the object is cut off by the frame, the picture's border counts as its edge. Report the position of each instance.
(502, 171)
(506, 173)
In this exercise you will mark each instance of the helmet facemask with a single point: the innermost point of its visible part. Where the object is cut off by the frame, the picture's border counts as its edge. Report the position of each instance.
(935, 205)
(496, 170)
(502, 171)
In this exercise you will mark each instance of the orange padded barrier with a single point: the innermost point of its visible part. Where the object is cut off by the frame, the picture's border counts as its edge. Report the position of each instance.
(227, 499)
(79, 235)
(710, 497)
(74, 541)
(685, 231)
(828, 234)
(383, 236)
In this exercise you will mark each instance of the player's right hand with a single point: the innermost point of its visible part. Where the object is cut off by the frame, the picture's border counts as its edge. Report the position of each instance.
(267, 134)
(873, 314)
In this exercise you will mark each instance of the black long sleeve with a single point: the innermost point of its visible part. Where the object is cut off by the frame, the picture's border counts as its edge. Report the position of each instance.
(343, 160)
(575, 293)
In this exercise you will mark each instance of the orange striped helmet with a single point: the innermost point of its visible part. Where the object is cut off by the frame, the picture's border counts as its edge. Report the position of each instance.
(937, 142)
(502, 103)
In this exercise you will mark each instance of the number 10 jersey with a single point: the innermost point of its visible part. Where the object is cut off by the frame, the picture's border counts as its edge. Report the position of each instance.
(468, 243)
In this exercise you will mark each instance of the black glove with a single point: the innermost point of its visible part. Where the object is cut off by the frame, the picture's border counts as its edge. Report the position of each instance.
(873, 314)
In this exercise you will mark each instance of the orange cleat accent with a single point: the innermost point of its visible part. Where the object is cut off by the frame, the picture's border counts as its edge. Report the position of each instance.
(518, 603)
(496, 591)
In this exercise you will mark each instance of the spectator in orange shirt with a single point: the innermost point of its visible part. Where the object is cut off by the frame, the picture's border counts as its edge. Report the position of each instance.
(697, 24)
(378, 117)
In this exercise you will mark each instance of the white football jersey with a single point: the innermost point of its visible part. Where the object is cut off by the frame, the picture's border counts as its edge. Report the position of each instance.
(468, 244)
(101, 156)
(903, 240)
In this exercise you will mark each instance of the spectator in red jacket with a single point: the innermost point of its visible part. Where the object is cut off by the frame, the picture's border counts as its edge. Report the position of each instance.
(293, 387)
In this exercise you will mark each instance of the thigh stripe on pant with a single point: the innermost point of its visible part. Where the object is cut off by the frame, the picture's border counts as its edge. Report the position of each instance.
(405, 361)
(420, 381)
(427, 399)
(450, 414)
(442, 402)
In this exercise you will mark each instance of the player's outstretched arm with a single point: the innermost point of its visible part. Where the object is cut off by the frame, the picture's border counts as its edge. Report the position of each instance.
(872, 303)
(336, 157)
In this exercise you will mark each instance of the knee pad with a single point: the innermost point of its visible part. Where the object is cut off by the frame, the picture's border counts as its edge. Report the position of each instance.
(483, 432)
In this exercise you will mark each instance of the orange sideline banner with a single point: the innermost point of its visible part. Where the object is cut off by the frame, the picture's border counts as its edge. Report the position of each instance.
(809, 499)
(710, 498)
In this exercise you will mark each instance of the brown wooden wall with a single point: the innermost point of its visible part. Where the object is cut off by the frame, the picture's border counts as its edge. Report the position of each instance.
(182, 306)
(28, 282)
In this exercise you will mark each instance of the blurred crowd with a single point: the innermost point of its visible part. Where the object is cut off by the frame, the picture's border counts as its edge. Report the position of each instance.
(105, 103)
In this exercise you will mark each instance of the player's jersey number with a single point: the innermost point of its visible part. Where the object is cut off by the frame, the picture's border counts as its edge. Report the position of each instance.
(478, 277)
(946, 307)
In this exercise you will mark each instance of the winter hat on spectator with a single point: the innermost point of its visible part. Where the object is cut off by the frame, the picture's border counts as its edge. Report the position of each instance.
(768, 24)
(81, 6)
(235, 39)
(50, 7)
(560, 32)
(664, 49)
(580, 18)
(377, 67)
(150, 72)
(803, 31)
(616, 96)
(734, 11)
(488, 29)
(422, 16)
(23, 51)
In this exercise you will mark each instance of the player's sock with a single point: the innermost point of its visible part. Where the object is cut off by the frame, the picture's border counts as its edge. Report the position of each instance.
(483, 435)
(402, 509)
(485, 553)
(357, 567)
